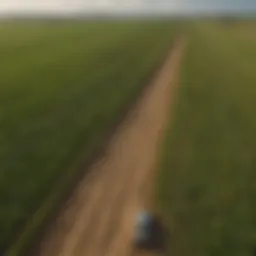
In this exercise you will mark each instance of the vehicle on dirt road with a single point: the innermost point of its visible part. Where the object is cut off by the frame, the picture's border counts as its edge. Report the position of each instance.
(143, 228)
(149, 233)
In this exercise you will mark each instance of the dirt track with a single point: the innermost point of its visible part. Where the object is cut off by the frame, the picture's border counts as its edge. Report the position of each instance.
(99, 219)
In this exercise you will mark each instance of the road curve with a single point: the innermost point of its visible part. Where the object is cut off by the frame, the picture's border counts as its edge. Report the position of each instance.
(98, 220)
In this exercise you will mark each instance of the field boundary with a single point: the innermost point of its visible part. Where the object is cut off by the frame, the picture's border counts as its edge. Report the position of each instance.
(33, 231)
(156, 205)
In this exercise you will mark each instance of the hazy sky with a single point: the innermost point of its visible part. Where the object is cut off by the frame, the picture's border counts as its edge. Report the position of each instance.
(87, 5)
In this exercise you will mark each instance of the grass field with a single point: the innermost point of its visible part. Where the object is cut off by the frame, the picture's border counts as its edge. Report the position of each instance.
(63, 85)
(207, 184)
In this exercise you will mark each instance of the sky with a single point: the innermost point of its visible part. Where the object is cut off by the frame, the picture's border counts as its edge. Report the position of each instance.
(19, 6)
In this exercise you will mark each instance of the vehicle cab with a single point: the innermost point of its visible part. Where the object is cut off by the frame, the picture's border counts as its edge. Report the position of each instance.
(143, 230)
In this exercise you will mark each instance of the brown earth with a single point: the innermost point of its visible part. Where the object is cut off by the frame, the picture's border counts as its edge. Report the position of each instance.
(99, 218)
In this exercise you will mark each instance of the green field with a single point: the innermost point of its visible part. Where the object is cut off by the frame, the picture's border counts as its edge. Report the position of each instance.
(208, 170)
(63, 85)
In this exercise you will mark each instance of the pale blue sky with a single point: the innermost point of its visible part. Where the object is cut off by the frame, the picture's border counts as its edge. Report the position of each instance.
(87, 5)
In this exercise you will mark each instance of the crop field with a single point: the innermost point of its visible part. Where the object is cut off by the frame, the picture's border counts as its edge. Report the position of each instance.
(207, 182)
(245, 29)
(62, 86)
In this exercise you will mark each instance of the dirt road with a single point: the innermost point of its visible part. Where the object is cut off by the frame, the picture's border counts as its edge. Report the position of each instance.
(99, 219)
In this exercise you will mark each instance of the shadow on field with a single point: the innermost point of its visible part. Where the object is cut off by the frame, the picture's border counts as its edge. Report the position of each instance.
(159, 236)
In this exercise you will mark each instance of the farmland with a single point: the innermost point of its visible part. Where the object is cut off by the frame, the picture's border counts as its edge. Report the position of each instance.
(62, 86)
(207, 187)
